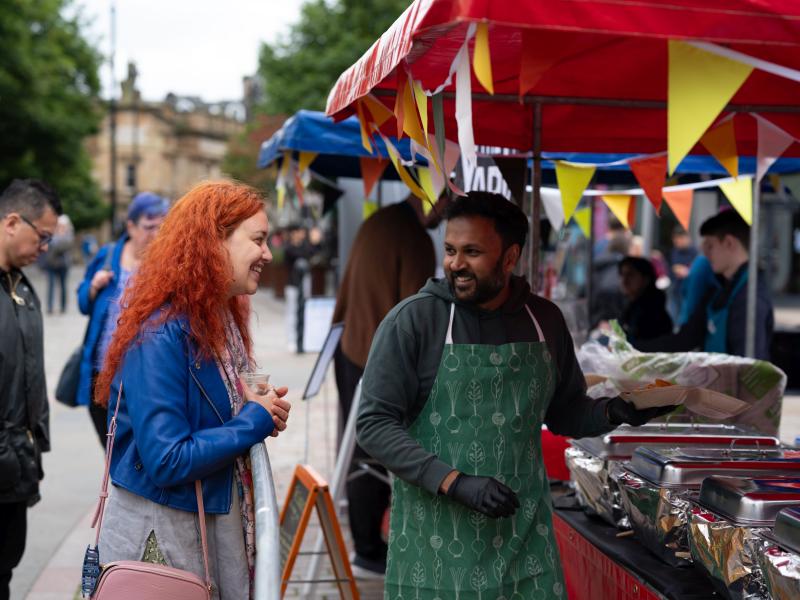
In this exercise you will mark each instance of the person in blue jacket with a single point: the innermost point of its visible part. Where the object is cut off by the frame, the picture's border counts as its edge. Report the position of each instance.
(718, 323)
(103, 284)
(172, 382)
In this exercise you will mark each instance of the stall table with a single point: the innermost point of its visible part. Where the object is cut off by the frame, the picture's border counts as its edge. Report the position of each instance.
(598, 565)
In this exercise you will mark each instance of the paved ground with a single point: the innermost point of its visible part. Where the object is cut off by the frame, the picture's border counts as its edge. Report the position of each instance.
(58, 525)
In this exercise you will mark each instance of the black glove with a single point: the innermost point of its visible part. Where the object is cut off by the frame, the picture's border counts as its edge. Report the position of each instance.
(484, 494)
(620, 412)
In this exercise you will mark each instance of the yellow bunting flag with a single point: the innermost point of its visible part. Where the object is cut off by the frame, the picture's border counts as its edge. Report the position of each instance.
(427, 184)
(405, 176)
(283, 174)
(721, 143)
(620, 205)
(700, 85)
(572, 181)
(680, 202)
(304, 160)
(399, 102)
(379, 111)
(362, 121)
(583, 218)
(482, 58)
(422, 105)
(740, 194)
(369, 209)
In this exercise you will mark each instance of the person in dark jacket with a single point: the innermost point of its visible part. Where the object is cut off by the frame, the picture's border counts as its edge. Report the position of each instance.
(29, 212)
(645, 315)
(719, 322)
(459, 380)
(391, 258)
(102, 287)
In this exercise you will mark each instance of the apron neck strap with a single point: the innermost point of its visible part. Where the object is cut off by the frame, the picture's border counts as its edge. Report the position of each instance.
(449, 339)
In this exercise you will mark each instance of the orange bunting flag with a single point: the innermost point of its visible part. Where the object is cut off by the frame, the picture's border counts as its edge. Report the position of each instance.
(572, 180)
(700, 84)
(482, 59)
(680, 201)
(650, 173)
(411, 119)
(623, 207)
(362, 122)
(399, 102)
(371, 171)
(378, 110)
(721, 143)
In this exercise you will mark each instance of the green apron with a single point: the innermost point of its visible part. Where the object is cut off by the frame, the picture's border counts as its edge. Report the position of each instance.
(483, 416)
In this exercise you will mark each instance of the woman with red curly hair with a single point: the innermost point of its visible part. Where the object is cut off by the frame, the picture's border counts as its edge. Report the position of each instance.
(184, 414)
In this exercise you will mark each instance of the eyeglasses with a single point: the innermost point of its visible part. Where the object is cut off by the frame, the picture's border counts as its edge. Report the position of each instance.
(44, 238)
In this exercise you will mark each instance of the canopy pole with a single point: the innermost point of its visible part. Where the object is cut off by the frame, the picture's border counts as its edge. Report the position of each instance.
(534, 249)
(590, 265)
(752, 274)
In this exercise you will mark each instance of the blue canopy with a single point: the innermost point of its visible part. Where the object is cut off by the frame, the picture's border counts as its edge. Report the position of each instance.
(338, 144)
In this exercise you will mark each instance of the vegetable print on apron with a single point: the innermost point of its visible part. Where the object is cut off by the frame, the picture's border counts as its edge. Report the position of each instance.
(483, 416)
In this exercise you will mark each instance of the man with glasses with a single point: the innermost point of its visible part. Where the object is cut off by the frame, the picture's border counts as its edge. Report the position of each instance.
(101, 290)
(29, 212)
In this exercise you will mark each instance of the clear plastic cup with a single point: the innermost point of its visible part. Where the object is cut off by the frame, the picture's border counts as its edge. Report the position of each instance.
(257, 382)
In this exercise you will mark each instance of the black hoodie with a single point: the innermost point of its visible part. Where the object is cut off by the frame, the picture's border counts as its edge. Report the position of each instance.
(405, 357)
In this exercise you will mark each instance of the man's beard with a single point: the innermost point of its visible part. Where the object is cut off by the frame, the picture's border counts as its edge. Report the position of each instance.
(485, 289)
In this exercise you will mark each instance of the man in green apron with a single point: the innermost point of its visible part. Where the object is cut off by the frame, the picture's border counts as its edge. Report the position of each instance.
(459, 380)
(718, 323)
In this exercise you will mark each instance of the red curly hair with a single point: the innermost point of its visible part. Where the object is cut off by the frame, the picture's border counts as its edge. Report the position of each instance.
(186, 270)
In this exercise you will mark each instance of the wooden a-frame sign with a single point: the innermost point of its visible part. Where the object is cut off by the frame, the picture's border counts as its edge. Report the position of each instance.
(308, 491)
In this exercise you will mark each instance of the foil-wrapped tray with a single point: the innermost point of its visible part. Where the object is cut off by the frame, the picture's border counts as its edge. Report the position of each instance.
(725, 528)
(594, 463)
(656, 487)
(779, 564)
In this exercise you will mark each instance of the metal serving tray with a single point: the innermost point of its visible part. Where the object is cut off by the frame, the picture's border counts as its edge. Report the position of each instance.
(620, 443)
(787, 529)
(749, 502)
(688, 467)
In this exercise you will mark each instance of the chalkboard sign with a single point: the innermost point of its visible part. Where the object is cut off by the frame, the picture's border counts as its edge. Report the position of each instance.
(308, 492)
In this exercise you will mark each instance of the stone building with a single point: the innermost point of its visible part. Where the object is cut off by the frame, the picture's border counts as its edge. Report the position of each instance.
(165, 147)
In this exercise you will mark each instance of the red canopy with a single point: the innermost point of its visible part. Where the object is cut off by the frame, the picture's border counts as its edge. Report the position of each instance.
(592, 54)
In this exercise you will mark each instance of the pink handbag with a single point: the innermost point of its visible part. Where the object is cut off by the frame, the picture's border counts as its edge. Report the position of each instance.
(136, 580)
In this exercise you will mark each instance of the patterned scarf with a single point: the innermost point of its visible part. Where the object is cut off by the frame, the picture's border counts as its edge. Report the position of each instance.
(233, 363)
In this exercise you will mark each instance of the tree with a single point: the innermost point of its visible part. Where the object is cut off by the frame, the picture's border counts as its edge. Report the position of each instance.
(299, 71)
(242, 152)
(49, 89)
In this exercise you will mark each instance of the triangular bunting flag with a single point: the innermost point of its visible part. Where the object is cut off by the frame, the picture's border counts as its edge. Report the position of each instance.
(583, 218)
(379, 111)
(304, 160)
(620, 205)
(421, 101)
(514, 171)
(700, 85)
(411, 124)
(405, 176)
(680, 201)
(426, 183)
(364, 126)
(466, 133)
(482, 59)
(772, 143)
(650, 173)
(721, 143)
(553, 208)
(572, 181)
(399, 102)
(740, 194)
(370, 208)
(371, 171)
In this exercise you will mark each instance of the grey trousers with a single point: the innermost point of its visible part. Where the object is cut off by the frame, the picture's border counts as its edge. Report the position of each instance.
(129, 519)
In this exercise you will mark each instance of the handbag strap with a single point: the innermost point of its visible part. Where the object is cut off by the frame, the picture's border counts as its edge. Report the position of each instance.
(97, 520)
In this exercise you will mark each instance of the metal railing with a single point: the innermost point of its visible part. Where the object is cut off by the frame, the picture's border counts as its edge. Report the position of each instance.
(268, 549)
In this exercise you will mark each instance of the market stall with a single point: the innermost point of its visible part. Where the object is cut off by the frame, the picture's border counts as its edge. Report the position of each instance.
(654, 79)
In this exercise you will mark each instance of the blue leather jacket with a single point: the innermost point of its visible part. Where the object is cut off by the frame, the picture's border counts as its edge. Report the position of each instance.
(174, 424)
(97, 310)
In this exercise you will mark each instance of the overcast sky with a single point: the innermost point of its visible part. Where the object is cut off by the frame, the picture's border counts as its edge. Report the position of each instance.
(189, 47)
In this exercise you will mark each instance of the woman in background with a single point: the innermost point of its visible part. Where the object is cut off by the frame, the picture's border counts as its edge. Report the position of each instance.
(645, 314)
